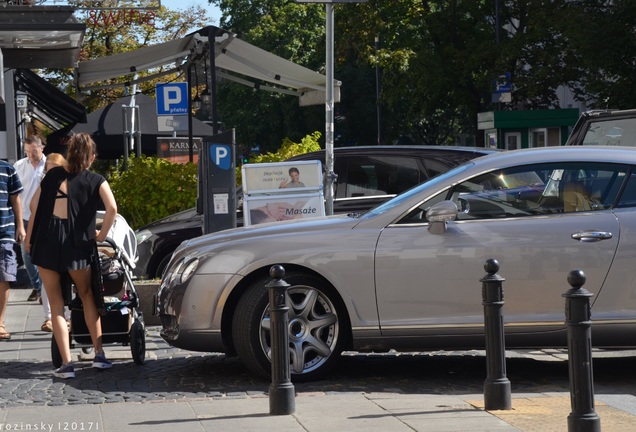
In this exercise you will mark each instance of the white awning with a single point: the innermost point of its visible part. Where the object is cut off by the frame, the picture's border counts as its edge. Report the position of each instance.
(235, 60)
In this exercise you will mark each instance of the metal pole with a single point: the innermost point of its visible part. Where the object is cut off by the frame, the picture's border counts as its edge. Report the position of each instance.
(377, 88)
(578, 315)
(212, 80)
(496, 386)
(134, 144)
(281, 391)
(190, 141)
(126, 135)
(329, 111)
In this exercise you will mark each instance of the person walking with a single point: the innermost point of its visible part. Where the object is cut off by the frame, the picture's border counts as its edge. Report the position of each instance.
(30, 170)
(63, 236)
(11, 232)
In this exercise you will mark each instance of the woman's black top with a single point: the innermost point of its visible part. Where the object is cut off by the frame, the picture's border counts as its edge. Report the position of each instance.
(83, 199)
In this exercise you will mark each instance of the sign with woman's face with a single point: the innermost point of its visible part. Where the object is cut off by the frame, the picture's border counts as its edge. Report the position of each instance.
(273, 177)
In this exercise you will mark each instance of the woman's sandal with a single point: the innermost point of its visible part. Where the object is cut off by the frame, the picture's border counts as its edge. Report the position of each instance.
(4, 334)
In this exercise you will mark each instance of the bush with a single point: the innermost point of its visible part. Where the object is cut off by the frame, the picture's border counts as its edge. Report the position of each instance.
(152, 188)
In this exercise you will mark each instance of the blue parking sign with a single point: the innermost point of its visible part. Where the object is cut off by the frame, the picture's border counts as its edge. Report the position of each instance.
(172, 98)
(221, 156)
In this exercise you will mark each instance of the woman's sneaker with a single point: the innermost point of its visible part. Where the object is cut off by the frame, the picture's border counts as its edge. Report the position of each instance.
(101, 362)
(65, 371)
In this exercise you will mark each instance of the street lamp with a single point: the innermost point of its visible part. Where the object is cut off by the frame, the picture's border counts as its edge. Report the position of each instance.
(331, 175)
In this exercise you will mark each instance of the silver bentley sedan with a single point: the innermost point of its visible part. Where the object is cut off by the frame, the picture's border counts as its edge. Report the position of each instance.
(406, 274)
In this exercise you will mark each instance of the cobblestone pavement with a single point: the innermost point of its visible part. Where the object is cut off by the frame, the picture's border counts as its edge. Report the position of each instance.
(173, 374)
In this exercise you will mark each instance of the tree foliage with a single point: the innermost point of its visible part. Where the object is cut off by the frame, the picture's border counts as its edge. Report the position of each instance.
(292, 31)
(123, 35)
(438, 60)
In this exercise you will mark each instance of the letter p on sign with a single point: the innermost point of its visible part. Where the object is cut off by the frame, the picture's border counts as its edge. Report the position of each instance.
(171, 96)
(221, 156)
(220, 153)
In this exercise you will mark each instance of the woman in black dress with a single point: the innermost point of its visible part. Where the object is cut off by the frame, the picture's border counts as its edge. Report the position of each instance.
(62, 238)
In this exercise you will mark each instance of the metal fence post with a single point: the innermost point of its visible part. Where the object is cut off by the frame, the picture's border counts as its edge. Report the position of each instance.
(578, 316)
(496, 386)
(281, 391)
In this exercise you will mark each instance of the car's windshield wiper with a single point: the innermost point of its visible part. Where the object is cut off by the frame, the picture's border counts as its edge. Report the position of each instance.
(355, 215)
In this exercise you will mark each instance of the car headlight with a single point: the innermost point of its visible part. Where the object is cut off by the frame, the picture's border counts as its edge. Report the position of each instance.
(188, 270)
(142, 236)
(181, 271)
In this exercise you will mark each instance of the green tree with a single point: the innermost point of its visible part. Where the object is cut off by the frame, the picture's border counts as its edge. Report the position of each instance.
(292, 31)
(109, 34)
(439, 59)
(602, 47)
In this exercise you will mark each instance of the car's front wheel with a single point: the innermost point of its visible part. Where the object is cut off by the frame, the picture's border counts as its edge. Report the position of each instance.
(318, 327)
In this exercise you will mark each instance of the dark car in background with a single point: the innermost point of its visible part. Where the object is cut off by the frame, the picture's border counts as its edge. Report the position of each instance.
(605, 128)
(367, 176)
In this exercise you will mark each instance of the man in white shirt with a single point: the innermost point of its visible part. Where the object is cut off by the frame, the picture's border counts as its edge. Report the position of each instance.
(30, 170)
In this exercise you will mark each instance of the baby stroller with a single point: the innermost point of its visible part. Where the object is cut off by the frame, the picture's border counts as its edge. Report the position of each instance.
(118, 302)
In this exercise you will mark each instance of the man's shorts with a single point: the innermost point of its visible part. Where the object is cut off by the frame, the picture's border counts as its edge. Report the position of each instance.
(8, 262)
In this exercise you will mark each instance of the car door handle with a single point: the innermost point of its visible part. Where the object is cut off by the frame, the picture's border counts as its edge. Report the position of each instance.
(592, 236)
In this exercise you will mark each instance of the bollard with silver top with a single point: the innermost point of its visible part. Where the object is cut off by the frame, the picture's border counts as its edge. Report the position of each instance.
(578, 318)
(496, 386)
(281, 391)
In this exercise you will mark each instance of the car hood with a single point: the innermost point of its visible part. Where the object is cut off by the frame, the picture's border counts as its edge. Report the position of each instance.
(240, 249)
(254, 232)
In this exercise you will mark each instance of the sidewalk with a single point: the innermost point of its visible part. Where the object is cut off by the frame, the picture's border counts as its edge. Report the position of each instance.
(249, 410)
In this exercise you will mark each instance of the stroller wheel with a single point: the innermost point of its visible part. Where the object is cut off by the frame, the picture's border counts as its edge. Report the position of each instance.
(56, 356)
(138, 342)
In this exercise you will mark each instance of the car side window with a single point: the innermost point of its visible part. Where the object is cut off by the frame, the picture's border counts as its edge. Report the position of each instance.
(397, 174)
(539, 190)
(628, 196)
(380, 175)
(535, 190)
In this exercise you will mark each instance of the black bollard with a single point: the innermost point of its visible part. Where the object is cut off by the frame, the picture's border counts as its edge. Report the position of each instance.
(281, 391)
(496, 386)
(578, 317)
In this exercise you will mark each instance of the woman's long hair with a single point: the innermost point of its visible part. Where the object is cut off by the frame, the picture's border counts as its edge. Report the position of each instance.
(81, 149)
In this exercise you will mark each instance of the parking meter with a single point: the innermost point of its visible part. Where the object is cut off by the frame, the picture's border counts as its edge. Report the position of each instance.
(217, 182)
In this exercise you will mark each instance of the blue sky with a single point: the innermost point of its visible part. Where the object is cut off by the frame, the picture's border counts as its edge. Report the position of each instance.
(213, 11)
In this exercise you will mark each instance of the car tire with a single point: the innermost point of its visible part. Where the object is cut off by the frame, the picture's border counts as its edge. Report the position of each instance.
(318, 326)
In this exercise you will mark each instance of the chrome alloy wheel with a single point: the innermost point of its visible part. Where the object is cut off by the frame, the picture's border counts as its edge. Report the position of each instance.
(313, 329)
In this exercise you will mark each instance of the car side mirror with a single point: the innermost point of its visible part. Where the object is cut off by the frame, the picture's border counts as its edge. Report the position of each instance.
(439, 214)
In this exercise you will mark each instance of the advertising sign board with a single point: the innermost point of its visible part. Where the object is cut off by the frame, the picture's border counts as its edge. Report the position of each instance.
(275, 208)
(177, 150)
(275, 177)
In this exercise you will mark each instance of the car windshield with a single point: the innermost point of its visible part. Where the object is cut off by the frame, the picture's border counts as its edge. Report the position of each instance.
(396, 201)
